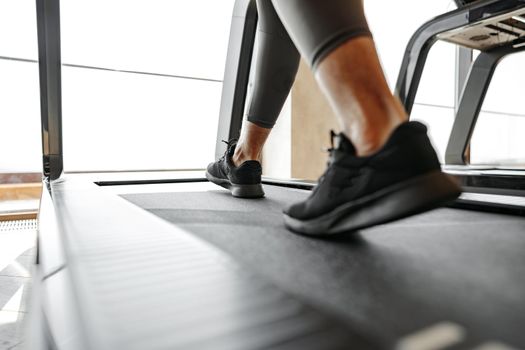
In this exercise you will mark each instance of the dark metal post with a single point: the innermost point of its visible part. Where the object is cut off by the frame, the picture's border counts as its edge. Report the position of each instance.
(237, 72)
(463, 64)
(48, 25)
(471, 102)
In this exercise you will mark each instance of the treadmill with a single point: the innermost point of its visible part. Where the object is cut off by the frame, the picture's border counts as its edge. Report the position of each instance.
(170, 261)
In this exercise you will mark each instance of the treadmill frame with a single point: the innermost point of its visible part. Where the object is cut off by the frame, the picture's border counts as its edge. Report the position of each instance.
(77, 205)
(50, 73)
(472, 82)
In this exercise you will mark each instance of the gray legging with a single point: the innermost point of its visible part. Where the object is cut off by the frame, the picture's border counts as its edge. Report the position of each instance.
(288, 29)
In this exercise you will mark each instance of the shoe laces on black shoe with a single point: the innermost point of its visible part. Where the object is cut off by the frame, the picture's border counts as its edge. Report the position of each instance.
(340, 147)
(230, 148)
(247, 173)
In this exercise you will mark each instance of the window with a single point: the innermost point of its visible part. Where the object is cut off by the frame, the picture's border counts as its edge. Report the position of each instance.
(141, 82)
(20, 136)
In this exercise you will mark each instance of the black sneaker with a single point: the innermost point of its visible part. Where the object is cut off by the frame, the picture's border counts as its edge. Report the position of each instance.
(243, 181)
(401, 179)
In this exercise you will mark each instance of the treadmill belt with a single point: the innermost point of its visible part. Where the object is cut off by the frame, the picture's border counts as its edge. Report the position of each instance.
(447, 266)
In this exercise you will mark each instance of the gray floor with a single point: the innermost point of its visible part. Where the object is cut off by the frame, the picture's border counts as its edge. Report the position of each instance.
(17, 256)
(447, 266)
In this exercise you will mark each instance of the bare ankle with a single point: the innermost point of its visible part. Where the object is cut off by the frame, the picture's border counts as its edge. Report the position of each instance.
(242, 155)
(369, 139)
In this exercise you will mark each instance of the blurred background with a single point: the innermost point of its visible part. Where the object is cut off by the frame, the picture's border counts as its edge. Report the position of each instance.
(142, 82)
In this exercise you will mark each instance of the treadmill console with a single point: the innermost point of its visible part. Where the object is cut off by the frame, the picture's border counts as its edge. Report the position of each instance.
(488, 33)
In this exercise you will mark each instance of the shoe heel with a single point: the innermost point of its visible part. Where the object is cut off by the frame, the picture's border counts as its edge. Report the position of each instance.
(247, 191)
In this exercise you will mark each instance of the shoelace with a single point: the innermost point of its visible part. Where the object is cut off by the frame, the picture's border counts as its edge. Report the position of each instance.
(330, 152)
(331, 159)
(228, 144)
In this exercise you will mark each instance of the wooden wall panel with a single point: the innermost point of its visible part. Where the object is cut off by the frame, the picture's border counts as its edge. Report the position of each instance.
(312, 120)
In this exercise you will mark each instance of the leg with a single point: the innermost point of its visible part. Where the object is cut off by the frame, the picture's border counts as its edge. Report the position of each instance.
(366, 109)
(382, 168)
(277, 64)
(335, 39)
(251, 143)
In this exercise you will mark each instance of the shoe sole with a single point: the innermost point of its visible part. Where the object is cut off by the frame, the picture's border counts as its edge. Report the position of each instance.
(395, 202)
(237, 190)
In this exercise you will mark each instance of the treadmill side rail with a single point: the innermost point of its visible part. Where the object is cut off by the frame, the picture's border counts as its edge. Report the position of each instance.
(48, 25)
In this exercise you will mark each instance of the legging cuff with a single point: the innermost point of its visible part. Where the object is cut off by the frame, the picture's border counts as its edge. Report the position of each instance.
(261, 123)
(337, 40)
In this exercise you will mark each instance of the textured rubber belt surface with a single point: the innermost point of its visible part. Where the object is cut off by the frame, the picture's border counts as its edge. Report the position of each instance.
(195, 299)
(446, 265)
(141, 284)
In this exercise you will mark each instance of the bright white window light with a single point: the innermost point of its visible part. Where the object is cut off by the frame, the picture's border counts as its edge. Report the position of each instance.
(119, 120)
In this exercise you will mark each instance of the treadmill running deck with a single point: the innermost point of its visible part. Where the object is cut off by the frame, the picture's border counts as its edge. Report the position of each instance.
(459, 267)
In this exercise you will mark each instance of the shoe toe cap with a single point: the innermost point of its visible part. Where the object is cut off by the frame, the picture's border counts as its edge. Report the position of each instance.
(296, 210)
